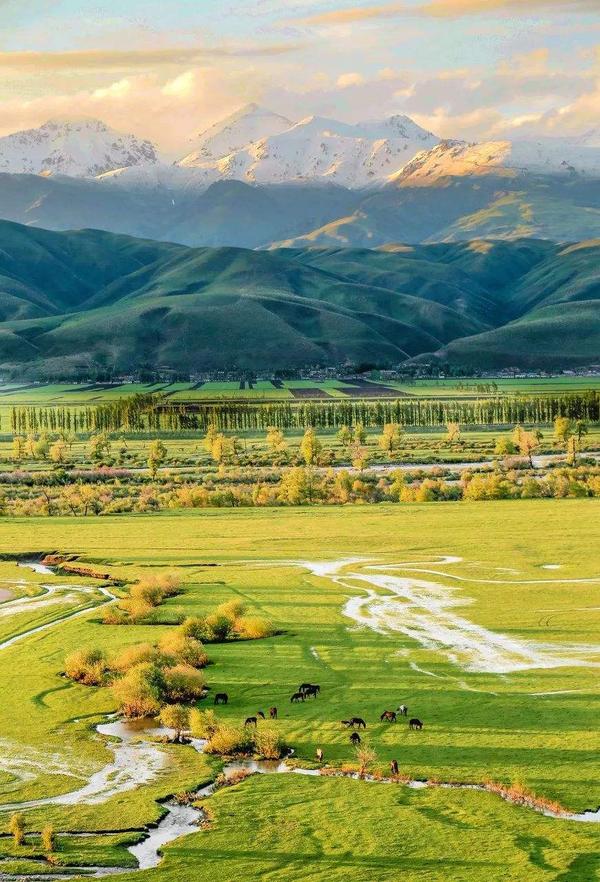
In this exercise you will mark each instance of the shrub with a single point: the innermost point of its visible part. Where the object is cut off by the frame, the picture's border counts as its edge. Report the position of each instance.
(253, 627)
(47, 837)
(269, 744)
(232, 609)
(134, 655)
(218, 627)
(16, 826)
(228, 740)
(140, 692)
(184, 648)
(175, 716)
(203, 724)
(193, 627)
(183, 683)
(87, 666)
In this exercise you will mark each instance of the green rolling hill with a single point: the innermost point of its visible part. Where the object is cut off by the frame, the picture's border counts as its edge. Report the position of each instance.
(75, 303)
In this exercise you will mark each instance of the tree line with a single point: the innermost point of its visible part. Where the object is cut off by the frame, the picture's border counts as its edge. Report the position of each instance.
(156, 413)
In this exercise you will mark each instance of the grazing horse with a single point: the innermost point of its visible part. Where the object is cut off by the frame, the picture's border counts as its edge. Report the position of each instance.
(273, 713)
(311, 690)
(403, 710)
(415, 724)
(221, 698)
(251, 721)
(260, 714)
(388, 717)
(298, 696)
(319, 755)
(394, 767)
(358, 722)
(346, 723)
(355, 738)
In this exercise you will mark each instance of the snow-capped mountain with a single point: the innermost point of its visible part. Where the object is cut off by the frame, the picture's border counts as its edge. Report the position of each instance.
(79, 148)
(247, 125)
(323, 149)
(541, 156)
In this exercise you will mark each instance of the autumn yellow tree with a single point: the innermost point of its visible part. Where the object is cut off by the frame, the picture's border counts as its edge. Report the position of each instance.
(310, 447)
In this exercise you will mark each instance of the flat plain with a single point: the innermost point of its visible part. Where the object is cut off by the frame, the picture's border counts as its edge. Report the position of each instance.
(489, 631)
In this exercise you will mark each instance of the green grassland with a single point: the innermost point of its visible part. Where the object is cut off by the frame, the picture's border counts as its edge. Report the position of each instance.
(536, 726)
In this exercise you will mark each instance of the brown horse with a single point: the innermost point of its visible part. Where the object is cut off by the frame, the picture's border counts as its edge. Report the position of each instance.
(251, 721)
(415, 724)
(388, 717)
(273, 713)
(319, 755)
(221, 698)
(355, 738)
(394, 767)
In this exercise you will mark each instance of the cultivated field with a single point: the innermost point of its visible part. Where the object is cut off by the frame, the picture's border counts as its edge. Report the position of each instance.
(483, 618)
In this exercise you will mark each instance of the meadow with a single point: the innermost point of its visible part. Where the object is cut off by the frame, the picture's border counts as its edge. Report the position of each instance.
(517, 703)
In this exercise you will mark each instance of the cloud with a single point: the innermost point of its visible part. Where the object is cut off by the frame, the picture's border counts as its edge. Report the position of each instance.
(114, 59)
(349, 79)
(449, 9)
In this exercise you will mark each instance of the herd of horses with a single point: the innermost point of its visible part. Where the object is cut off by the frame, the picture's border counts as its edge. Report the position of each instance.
(312, 690)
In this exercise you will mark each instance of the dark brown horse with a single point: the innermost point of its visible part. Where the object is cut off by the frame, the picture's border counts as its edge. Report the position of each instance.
(260, 714)
(298, 696)
(358, 722)
(394, 767)
(319, 755)
(355, 738)
(221, 698)
(311, 690)
(415, 724)
(273, 713)
(251, 721)
(388, 717)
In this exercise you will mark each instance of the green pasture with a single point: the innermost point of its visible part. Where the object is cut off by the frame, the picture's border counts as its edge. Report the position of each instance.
(533, 727)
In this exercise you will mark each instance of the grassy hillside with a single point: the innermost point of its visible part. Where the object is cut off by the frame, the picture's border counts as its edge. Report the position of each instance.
(76, 302)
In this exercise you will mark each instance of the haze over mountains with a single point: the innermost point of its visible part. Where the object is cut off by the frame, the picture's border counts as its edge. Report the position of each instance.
(260, 180)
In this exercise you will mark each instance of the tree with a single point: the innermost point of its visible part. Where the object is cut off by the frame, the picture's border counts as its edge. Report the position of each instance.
(177, 717)
(527, 444)
(366, 756)
(563, 429)
(505, 447)
(310, 446)
(453, 432)
(223, 449)
(359, 435)
(294, 487)
(47, 839)
(18, 448)
(360, 456)
(581, 430)
(276, 441)
(99, 446)
(58, 452)
(211, 434)
(16, 826)
(389, 441)
(41, 447)
(141, 690)
(572, 450)
(157, 454)
(344, 436)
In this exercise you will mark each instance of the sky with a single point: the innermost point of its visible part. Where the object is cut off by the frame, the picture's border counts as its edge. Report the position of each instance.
(168, 69)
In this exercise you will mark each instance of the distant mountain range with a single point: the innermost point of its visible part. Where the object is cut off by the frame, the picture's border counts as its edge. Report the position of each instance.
(259, 180)
(76, 303)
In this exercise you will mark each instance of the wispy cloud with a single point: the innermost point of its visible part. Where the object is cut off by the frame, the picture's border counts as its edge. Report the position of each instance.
(448, 9)
(112, 59)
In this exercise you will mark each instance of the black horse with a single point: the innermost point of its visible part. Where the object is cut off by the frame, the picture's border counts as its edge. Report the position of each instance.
(415, 724)
(358, 722)
(355, 738)
(273, 713)
(298, 696)
(311, 690)
(251, 721)
(221, 698)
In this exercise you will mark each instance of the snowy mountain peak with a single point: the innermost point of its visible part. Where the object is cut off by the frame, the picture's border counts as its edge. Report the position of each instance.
(246, 126)
(75, 147)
